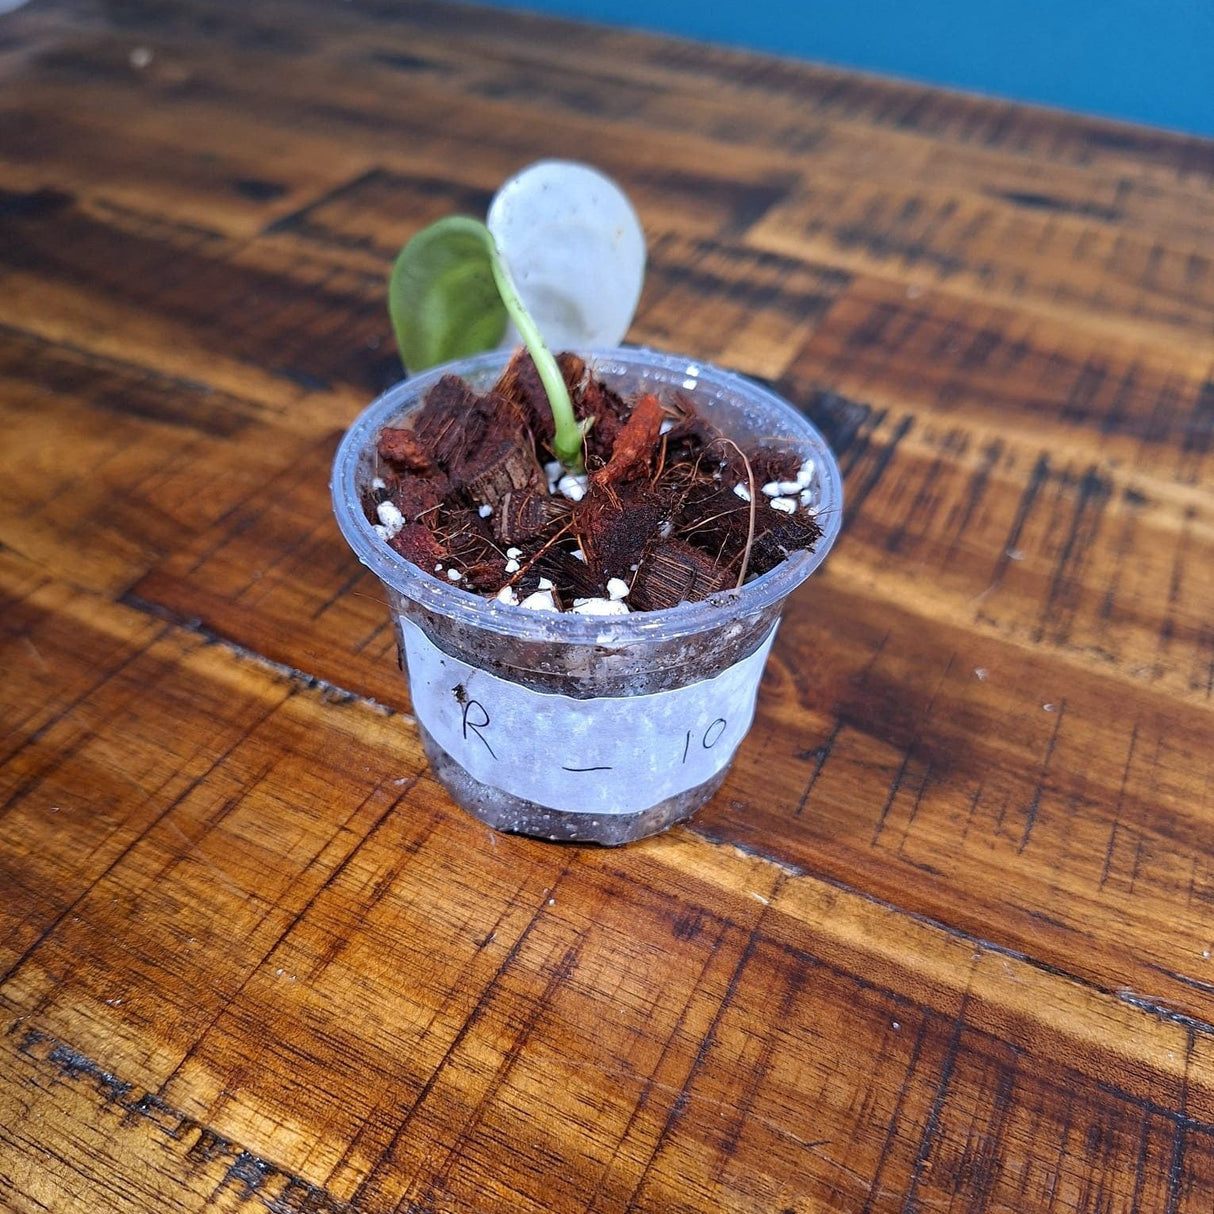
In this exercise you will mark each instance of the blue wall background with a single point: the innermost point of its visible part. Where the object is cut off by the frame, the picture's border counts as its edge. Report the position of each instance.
(1144, 62)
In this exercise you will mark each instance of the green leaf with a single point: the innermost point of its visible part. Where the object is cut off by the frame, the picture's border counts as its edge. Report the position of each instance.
(443, 297)
(450, 295)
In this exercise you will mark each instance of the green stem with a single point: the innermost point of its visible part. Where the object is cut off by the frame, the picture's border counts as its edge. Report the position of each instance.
(567, 441)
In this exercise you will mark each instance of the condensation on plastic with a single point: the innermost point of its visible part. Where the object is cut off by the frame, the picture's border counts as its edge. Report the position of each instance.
(578, 656)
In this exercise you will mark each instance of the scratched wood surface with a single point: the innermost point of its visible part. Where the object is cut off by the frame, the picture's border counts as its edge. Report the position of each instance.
(942, 942)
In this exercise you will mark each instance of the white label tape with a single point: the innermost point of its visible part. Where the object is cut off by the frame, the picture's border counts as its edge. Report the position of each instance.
(611, 755)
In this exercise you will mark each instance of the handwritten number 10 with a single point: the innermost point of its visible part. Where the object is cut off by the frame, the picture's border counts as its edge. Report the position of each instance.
(712, 735)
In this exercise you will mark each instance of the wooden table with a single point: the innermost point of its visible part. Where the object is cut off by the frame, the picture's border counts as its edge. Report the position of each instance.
(942, 942)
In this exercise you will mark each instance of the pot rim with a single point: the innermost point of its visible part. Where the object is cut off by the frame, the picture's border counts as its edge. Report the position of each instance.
(447, 599)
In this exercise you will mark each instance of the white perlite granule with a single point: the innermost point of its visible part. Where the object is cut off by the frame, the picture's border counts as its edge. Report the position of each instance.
(572, 487)
(600, 607)
(390, 519)
(539, 600)
(805, 475)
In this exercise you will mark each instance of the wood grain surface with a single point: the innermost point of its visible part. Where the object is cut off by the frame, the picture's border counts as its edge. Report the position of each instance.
(943, 940)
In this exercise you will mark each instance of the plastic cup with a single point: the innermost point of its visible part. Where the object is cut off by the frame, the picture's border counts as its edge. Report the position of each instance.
(601, 729)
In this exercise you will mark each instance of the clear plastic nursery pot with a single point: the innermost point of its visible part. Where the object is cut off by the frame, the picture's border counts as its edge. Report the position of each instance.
(595, 728)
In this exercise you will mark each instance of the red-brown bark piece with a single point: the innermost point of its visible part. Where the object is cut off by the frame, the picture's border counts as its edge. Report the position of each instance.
(635, 448)
(691, 439)
(471, 548)
(483, 577)
(455, 422)
(497, 467)
(575, 577)
(523, 514)
(521, 384)
(448, 419)
(615, 524)
(416, 543)
(781, 535)
(774, 464)
(675, 572)
(714, 518)
(610, 413)
(417, 496)
(404, 451)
